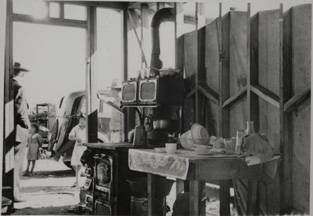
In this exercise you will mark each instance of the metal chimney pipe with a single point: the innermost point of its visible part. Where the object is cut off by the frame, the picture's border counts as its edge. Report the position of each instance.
(162, 15)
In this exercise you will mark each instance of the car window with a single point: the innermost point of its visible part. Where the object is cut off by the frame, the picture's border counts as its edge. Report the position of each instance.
(61, 102)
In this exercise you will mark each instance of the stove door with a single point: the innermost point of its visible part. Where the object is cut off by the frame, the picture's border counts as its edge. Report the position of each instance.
(102, 209)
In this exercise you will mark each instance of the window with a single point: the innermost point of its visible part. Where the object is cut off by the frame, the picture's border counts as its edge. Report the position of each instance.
(61, 102)
(75, 12)
(54, 10)
(108, 74)
(167, 44)
(36, 8)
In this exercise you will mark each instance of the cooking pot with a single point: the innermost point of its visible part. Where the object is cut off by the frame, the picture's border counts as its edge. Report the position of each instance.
(161, 124)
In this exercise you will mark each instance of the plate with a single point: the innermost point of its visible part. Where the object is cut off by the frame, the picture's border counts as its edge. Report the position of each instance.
(159, 150)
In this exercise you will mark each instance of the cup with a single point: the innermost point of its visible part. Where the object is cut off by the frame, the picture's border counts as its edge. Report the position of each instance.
(170, 148)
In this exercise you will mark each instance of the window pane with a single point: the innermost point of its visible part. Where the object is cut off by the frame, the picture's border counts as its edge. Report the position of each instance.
(54, 10)
(36, 8)
(167, 44)
(76, 12)
(108, 73)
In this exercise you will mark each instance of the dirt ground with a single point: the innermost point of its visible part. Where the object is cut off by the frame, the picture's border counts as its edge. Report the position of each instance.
(49, 191)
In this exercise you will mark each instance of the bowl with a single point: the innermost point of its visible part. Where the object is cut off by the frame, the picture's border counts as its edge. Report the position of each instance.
(199, 134)
(186, 140)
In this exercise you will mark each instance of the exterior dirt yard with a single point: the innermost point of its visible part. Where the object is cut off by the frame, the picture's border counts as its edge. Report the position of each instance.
(49, 191)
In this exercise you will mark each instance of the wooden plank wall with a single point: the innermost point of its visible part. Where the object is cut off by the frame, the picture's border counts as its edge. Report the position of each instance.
(275, 77)
(297, 76)
(264, 84)
(235, 59)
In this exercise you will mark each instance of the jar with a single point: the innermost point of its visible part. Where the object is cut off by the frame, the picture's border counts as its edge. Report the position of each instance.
(250, 128)
(239, 140)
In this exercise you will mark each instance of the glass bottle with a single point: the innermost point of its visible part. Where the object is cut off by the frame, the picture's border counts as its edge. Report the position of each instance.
(239, 141)
(250, 128)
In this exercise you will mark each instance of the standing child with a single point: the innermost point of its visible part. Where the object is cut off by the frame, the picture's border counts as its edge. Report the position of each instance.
(78, 134)
(34, 146)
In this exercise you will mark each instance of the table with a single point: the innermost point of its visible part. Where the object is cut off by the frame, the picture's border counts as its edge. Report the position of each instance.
(200, 169)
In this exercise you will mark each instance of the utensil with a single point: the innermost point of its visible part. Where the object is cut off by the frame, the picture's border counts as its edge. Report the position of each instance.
(170, 148)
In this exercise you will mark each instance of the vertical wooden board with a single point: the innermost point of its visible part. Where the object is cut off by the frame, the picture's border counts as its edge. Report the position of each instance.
(224, 89)
(286, 144)
(268, 73)
(237, 117)
(254, 49)
(180, 53)
(188, 113)
(190, 53)
(268, 55)
(238, 51)
(211, 118)
(212, 56)
(301, 18)
(269, 123)
(301, 158)
(301, 47)
(254, 69)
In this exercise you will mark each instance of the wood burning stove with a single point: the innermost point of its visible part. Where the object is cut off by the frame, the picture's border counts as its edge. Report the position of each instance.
(167, 90)
(108, 171)
(129, 92)
(103, 173)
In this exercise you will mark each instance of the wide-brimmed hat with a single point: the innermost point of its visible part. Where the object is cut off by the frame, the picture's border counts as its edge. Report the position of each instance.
(17, 68)
(116, 84)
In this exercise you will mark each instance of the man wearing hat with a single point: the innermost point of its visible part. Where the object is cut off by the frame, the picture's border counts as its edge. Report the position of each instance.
(116, 122)
(21, 125)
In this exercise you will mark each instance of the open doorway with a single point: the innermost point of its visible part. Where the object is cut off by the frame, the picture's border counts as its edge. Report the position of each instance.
(56, 58)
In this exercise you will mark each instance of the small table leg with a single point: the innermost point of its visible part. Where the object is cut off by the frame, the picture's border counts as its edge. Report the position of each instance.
(180, 186)
(224, 197)
(155, 203)
(196, 207)
(252, 198)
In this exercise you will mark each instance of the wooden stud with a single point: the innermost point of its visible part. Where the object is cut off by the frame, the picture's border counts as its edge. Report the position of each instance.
(8, 144)
(220, 50)
(92, 119)
(196, 206)
(285, 88)
(50, 21)
(197, 66)
(224, 197)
